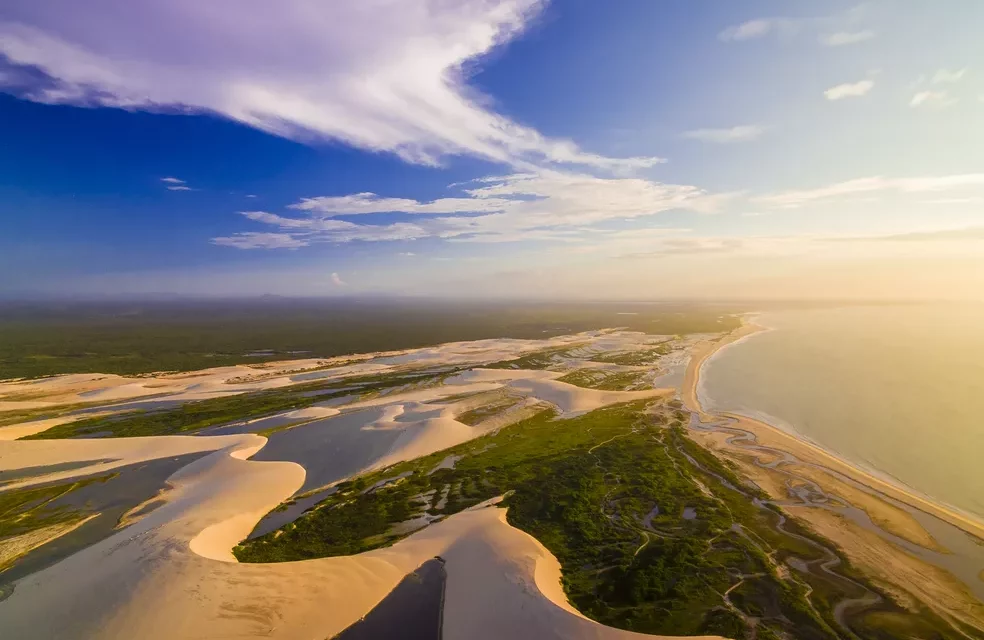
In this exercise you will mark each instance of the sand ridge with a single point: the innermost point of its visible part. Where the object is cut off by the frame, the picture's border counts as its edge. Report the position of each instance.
(501, 582)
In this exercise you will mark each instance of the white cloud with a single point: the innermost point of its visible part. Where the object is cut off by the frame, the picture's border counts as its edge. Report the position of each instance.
(742, 133)
(948, 76)
(546, 205)
(849, 90)
(179, 187)
(406, 254)
(337, 280)
(842, 38)
(172, 180)
(253, 240)
(936, 99)
(388, 77)
(250, 195)
(759, 28)
(928, 184)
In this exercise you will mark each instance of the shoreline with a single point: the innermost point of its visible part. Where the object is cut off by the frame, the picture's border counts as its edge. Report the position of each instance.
(798, 444)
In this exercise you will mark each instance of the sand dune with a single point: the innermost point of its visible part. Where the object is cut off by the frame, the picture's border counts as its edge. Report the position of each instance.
(171, 574)
(21, 454)
(312, 413)
(501, 582)
(572, 400)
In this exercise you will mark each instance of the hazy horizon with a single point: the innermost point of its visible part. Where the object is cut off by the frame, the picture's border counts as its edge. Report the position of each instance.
(512, 148)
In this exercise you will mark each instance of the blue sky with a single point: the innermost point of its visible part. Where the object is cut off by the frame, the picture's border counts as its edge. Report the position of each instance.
(472, 147)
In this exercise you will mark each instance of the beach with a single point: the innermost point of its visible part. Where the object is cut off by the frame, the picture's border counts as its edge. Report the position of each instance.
(888, 537)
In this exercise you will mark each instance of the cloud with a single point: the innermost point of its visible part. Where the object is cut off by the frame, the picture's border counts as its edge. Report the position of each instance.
(723, 136)
(842, 38)
(179, 187)
(384, 77)
(759, 28)
(253, 240)
(690, 246)
(849, 90)
(172, 180)
(966, 234)
(337, 280)
(948, 76)
(546, 205)
(928, 184)
(938, 99)
(406, 254)
(250, 195)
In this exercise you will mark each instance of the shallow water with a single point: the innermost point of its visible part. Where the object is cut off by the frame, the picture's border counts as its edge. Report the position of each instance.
(893, 389)
(333, 448)
(125, 488)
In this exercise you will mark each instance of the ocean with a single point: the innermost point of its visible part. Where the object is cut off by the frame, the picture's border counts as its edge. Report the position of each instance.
(896, 390)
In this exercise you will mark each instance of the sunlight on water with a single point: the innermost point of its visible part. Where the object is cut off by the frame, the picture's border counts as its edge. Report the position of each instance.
(895, 389)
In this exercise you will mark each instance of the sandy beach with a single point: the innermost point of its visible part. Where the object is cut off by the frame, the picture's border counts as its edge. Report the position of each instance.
(896, 569)
(807, 450)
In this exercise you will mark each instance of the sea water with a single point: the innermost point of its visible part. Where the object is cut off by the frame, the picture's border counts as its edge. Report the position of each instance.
(897, 390)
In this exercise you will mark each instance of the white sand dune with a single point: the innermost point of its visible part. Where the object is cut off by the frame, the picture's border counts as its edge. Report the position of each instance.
(25, 429)
(170, 575)
(23, 405)
(21, 454)
(312, 413)
(572, 400)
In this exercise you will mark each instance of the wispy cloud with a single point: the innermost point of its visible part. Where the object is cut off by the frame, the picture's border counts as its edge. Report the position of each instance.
(949, 76)
(927, 184)
(546, 205)
(253, 240)
(849, 90)
(835, 30)
(966, 234)
(843, 38)
(742, 133)
(393, 80)
(938, 99)
(759, 28)
(176, 184)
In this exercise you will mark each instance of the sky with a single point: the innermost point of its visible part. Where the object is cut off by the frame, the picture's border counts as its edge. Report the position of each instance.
(643, 149)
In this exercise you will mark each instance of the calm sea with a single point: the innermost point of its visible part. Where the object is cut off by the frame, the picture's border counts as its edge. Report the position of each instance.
(896, 390)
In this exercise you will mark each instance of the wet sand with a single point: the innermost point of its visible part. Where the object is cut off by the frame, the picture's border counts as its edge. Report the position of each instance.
(895, 535)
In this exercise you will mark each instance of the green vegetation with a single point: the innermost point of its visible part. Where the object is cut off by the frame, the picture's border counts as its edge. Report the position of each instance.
(195, 416)
(139, 337)
(634, 358)
(23, 511)
(607, 380)
(610, 494)
(496, 407)
(543, 359)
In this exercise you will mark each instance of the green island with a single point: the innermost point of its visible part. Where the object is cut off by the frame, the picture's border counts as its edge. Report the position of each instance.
(653, 533)
(606, 380)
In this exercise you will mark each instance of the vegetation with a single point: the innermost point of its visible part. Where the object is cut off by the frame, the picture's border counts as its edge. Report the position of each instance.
(607, 380)
(139, 337)
(543, 359)
(634, 358)
(25, 510)
(195, 416)
(653, 533)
